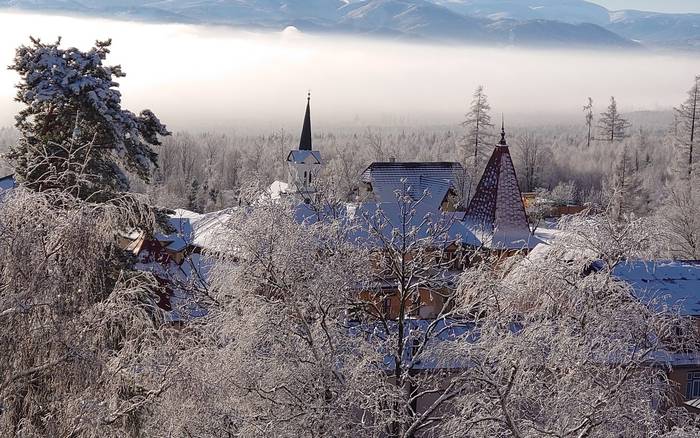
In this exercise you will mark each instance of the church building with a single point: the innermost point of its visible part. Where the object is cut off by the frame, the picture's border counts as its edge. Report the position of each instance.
(303, 165)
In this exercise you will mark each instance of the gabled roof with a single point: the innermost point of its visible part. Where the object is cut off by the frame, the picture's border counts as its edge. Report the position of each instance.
(674, 283)
(497, 206)
(433, 178)
(387, 217)
(304, 156)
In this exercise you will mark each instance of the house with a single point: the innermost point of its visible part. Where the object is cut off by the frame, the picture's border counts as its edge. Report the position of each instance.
(550, 208)
(676, 284)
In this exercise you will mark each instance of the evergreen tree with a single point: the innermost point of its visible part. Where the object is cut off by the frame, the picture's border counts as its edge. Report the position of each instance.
(588, 109)
(688, 128)
(478, 128)
(193, 197)
(612, 125)
(73, 123)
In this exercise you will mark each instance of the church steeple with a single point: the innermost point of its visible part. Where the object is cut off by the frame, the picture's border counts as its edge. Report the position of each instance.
(305, 142)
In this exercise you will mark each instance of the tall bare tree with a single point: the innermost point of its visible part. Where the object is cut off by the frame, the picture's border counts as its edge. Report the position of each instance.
(532, 155)
(478, 127)
(588, 111)
(688, 117)
(624, 189)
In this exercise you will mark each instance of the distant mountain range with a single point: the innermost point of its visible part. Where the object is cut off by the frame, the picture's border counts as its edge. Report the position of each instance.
(540, 23)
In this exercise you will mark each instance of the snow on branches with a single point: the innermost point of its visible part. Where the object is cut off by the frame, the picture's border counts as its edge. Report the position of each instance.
(71, 98)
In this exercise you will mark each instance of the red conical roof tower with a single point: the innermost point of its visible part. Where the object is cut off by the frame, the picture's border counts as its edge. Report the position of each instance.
(497, 207)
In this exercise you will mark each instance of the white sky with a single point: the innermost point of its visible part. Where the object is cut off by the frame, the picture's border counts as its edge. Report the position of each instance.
(196, 77)
(652, 5)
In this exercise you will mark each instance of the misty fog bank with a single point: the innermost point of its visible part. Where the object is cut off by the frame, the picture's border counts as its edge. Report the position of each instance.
(197, 77)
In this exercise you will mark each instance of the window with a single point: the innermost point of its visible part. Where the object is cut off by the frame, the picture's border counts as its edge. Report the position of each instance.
(693, 389)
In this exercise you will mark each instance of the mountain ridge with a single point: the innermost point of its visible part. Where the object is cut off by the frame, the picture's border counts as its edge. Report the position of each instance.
(541, 23)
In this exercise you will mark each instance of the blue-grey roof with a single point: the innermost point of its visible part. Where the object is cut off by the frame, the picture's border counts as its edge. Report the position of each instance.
(675, 283)
(7, 183)
(433, 178)
(386, 217)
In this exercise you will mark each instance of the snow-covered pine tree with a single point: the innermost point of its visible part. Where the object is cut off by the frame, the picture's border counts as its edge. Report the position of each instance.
(612, 125)
(688, 129)
(478, 126)
(73, 114)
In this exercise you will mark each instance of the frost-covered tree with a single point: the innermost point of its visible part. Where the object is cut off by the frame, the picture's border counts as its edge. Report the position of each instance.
(623, 188)
(319, 333)
(532, 157)
(688, 129)
(588, 111)
(613, 127)
(478, 127)
(563, 350)
(80, 350)
(275, 355)
(72, 114)
(680, 221)
(407, 312)
(311, 332)
(92, 358)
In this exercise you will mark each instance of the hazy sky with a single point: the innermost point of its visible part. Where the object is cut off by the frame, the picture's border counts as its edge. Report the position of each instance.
(199, 77)
(652, 5)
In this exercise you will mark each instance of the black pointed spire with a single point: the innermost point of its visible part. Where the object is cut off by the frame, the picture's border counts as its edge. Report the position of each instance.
(503, 133)
(305, 142)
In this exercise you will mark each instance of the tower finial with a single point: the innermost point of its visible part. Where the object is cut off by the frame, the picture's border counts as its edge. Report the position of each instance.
(503, 132)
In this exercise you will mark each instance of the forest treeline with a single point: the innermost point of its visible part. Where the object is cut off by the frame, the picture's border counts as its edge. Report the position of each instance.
(204, 171)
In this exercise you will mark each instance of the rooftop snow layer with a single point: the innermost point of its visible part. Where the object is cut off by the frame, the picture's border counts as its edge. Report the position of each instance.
(432, 178)
(677, 283)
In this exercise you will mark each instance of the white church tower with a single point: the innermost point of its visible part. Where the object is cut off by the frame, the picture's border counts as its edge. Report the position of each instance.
(304, 164)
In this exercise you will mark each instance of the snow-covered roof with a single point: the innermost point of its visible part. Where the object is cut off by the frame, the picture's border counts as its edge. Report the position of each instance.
(434, 178)
(277, 189)
(497, 206)
(675, 283)
(386, 217)
(504, 240)
(311, 157)
(7, 183)
(439, 331)
(183, 280)
(205, 231)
